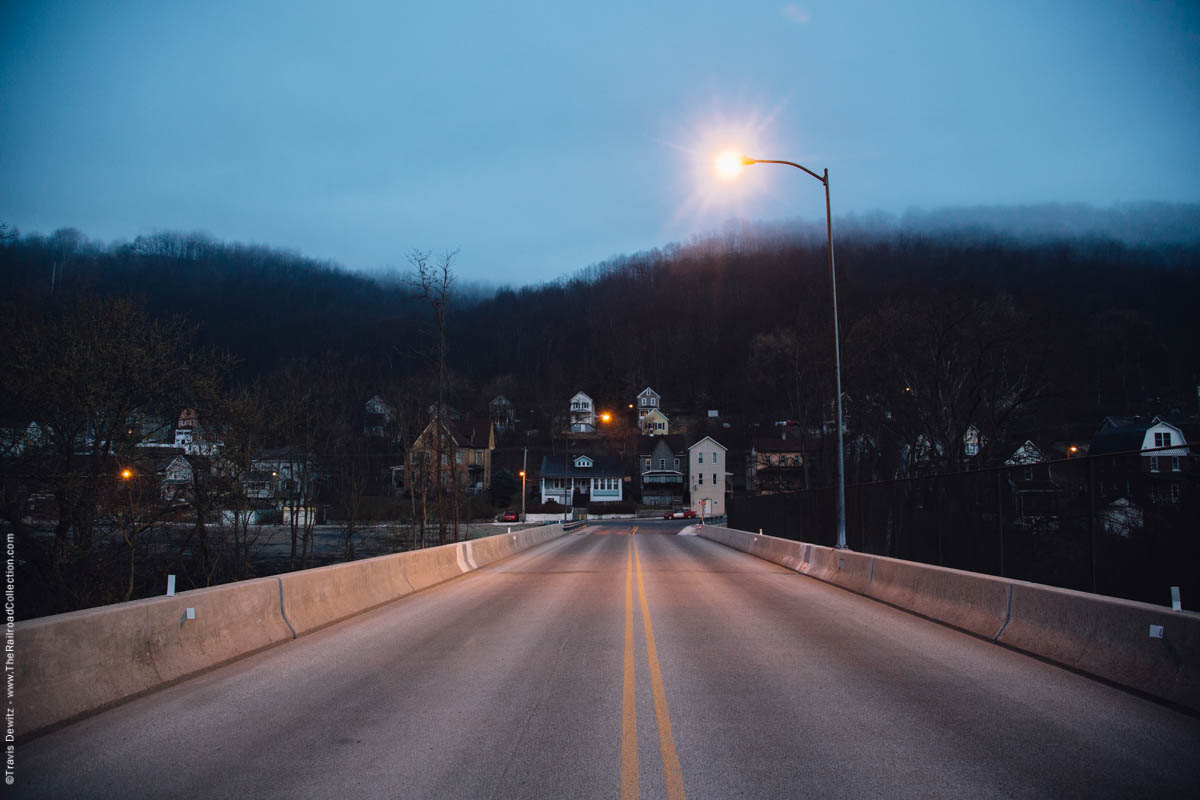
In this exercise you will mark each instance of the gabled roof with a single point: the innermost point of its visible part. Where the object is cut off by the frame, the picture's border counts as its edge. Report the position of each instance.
(1124, 434)
(701, 441)
(674, 441)
(648, 391)
(603, 467)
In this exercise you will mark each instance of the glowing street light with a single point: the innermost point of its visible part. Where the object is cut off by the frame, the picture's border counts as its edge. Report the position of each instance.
(126, 474)
(729, 165)
(606, 417)
(522, 495)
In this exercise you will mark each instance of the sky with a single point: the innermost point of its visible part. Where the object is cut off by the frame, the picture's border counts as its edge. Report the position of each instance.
(537, 138)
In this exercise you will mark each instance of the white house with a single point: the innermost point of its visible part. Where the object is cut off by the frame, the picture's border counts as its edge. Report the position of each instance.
(583, 414)
(707, 477)
(192, 437)
(600, 479)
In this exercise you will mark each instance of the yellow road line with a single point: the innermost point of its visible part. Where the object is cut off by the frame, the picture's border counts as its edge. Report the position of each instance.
(629, 750)
(672, 773)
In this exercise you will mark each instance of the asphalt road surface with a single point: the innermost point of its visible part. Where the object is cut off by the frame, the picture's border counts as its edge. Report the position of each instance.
(611, 665)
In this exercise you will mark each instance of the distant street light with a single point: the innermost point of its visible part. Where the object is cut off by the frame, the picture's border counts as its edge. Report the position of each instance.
(126, 474)
(729, 164)
(522, 495)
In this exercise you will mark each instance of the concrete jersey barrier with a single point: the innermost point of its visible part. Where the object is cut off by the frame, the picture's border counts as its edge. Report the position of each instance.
(1144, 647)
(79, 663)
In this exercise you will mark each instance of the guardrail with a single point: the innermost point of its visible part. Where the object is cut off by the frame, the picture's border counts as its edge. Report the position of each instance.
(1140, 646)
(75, 664)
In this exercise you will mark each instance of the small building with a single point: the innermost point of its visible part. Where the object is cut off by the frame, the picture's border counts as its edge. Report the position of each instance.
(192, 437)
(647, 400)
(655, 423)
(707, 466)
(662, 467)
(583, 414)
(1037, 497)
(775, 465)
(378, 418)
(502, 414)
(597, 479)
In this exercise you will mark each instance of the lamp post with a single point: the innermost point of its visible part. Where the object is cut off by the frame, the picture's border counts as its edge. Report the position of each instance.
(837, 348)
(522, 495)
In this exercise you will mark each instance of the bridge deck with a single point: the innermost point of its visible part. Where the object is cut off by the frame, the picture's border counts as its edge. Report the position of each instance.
(512, 682)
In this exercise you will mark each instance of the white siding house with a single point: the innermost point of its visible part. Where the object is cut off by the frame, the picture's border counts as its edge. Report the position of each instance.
(583, 414)
(706, 476)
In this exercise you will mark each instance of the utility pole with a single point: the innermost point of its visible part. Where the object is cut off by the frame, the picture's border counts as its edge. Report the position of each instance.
(524, 469)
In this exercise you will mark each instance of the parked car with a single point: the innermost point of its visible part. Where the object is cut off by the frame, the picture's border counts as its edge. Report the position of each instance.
(685, 513)
(510, 516)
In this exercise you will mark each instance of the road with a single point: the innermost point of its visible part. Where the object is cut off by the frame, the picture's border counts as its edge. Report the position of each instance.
(608, 665)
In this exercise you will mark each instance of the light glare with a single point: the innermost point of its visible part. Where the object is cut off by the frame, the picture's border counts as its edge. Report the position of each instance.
(729, 164)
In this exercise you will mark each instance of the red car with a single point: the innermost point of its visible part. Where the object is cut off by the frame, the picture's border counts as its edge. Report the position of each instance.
(510, 516)
(686, 513)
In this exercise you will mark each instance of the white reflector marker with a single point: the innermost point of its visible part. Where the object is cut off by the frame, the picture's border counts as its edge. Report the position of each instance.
(1156, 631)
(170, 586)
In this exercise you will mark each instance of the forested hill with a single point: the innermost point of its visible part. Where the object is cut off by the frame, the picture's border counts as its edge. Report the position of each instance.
(1077, 329)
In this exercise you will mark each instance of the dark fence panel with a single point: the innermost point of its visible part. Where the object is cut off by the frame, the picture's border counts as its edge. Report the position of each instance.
(1108, 524)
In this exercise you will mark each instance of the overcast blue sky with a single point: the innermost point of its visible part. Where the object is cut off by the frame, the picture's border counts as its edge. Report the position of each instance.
(540, 137)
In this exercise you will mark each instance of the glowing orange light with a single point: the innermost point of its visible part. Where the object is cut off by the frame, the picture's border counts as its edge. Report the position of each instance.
(126, 474)
(522, 474)
(606, 417)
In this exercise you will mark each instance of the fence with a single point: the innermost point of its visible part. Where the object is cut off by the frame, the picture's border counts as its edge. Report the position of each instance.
(1124, 525)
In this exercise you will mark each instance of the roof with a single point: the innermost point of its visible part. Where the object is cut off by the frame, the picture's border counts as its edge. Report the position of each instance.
(603, 467)
(471, 433)
(709, 438)
(646, 444)
(1123, 434)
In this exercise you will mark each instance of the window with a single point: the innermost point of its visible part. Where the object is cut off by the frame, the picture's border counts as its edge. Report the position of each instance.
(714, 479)
(443, 459)
(1028, 474)
(677, 465)
(647, 464)
(699, 478)
(714, 457)
(662, 463)
(479, 457)
(1174, 463)
(1162, 439)
(458, 457)
(1154, 463)
(699, 457)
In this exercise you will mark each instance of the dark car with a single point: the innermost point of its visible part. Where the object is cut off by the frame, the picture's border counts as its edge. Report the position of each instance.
(510, 516)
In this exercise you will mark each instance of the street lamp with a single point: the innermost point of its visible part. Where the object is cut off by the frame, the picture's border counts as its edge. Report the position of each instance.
(729, 164)
(522, 495)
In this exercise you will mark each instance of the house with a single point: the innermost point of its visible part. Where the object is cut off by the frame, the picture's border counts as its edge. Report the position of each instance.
(16, 436)
(662, 468)
(192, 437)
(595, 479)
(583, 414)
(1037, 496)
(175, 474)
(378, 418)
(775, 465)
(1147, 460)
(294, 475)
(502, 413)
(706, 476)
(655, 423)
(648, 400)
(464, 451)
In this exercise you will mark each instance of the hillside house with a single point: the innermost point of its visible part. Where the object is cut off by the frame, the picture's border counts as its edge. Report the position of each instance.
(655, 423)
(193, 438)
(1037, 496)
(502, 414)
(775, 465)
(707, 464)
(593, 479)
(378, 418)
(451, 455)
(582, 417)
(648, 400)
(662, 468)
(1148, 461)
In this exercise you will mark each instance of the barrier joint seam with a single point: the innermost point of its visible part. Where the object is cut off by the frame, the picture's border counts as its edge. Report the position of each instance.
(1007, 612)
(283, 613)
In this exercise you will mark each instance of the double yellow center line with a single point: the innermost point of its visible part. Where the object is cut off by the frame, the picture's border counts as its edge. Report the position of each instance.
(672, 774)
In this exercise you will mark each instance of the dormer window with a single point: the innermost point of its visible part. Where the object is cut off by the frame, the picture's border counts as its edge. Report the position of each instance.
(583, 462)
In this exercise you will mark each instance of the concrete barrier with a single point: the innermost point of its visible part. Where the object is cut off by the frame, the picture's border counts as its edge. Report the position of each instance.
(1144, 647)
(314, 598)
(1110, 638)
(971, 602)
(75, 664)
